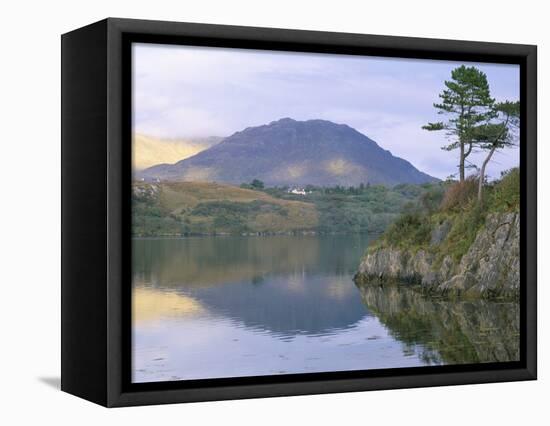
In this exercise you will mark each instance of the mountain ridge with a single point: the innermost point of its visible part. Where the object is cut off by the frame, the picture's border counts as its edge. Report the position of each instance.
(150, 151)
(291, 152)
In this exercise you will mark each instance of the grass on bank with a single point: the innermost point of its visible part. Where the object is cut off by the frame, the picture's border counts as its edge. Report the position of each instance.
(457, 205)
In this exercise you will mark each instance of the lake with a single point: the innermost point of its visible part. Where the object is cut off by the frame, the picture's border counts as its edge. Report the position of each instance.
(209, 307)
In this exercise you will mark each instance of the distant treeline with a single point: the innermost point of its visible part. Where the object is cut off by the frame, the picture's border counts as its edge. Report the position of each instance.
(361, 209)
(404, 188)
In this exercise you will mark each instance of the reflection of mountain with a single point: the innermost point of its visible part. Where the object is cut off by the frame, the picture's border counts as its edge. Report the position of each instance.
(288, 305)
(285, 285)
(450, 331)
(289, 152)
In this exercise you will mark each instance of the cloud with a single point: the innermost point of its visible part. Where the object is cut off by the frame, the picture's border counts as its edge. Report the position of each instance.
(183, 91)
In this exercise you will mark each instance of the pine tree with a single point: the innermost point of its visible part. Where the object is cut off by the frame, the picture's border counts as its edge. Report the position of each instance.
(467, 102)
(497, 133)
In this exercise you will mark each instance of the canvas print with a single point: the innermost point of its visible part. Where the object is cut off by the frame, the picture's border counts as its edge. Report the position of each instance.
(304, 213)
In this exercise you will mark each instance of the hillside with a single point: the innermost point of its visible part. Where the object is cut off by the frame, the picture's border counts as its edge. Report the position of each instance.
(290, 152)
(148, 151)
(200, 208)
(458, 248)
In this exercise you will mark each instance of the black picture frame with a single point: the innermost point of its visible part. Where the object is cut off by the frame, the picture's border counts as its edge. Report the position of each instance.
(96, 177)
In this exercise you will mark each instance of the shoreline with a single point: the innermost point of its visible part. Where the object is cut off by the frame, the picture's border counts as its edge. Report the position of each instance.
(255, 234)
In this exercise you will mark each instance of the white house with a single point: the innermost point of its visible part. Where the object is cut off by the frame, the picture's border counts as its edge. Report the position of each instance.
(297, 191)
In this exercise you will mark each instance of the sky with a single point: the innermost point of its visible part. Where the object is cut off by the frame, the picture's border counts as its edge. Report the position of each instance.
(186, 91)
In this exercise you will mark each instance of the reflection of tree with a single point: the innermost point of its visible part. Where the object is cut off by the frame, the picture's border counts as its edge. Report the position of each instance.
(450, 331)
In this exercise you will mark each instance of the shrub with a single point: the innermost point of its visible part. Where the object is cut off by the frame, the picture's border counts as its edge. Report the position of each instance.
(460, 194)
(463, 232)
(431, 199)
(505, 193)
(410, 229)
(257, 184)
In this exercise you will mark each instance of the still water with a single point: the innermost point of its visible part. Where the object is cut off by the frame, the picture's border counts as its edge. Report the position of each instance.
(247, 306)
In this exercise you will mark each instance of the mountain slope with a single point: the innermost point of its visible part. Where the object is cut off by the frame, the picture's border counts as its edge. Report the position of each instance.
(148, 151)
(289, 152)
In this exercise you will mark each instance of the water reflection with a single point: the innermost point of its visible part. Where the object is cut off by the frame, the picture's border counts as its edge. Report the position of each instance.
(450, 331)
(150, 305)
(209, 261)
(285, 285)
(226, 307)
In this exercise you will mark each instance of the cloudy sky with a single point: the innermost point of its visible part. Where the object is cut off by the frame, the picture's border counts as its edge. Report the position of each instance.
(182, 91)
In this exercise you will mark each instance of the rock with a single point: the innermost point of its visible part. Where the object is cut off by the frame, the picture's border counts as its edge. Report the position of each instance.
(440, 233)
(459, 284)
(489, 268)
(382, 265)
(446, 269)
(494, 256)
(431, 279)
(421, 263)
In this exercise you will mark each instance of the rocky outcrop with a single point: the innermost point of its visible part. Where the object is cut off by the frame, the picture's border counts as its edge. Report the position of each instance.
(489, 268)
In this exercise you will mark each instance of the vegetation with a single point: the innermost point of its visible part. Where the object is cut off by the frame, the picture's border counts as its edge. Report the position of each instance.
(459, 194)
(459, 209)
(361, 209)
(198, 208)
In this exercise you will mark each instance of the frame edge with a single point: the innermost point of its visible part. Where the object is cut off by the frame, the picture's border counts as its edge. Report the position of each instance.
(117, 396)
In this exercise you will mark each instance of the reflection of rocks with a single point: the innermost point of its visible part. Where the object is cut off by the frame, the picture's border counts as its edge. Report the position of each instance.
(490, 267)
(451, 331)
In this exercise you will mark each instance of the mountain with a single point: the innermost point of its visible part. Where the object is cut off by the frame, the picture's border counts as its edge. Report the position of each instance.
(148, 151)
(290, 152)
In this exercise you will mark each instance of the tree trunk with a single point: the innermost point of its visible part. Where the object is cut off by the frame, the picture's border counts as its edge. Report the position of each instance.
(461, 164)
(482, 174)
